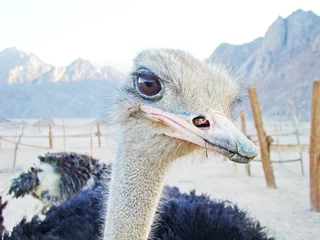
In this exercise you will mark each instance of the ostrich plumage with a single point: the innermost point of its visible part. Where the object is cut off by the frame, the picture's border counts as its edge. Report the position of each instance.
(58, 177)
(182, 217)
(171, 105)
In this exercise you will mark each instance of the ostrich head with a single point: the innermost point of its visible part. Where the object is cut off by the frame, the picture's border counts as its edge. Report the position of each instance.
(181, 102)
(169, 106)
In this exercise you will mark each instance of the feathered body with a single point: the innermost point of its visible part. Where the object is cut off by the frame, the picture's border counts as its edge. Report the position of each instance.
(59, 176)
(181, 217)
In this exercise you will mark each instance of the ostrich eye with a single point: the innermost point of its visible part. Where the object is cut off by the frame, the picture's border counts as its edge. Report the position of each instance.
(148, 86)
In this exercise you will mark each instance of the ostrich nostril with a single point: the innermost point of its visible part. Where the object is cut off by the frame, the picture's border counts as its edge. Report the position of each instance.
(201, 122)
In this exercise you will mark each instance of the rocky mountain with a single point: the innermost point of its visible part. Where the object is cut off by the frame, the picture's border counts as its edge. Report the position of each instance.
(282, 65)
(29, 88)
(78, 70)
(81, 99)
(20, 67)
(234, 55)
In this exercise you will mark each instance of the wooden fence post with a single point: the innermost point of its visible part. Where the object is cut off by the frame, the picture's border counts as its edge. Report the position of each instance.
(277, 138)
(91, 142)
(98, 133)
(315, 149)
(243, 129)
(263, 141)
(50, 137)
(16, 150)
(296, 125)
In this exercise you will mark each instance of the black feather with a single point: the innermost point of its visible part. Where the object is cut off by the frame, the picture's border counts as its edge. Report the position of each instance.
(2, 207)
(74, 169)
(25, 183)
(190, 216)
(183, 217)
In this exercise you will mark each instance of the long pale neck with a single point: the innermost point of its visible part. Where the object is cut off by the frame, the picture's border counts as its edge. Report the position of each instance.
(135, 190)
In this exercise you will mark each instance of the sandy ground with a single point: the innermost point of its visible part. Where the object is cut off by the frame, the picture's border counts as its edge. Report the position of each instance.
(285, 211)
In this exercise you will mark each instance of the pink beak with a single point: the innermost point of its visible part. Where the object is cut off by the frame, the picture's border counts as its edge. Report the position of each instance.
(212, 130)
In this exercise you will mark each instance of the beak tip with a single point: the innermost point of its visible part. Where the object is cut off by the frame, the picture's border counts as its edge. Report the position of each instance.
(254, 152)
(248, 149)
(246, 155)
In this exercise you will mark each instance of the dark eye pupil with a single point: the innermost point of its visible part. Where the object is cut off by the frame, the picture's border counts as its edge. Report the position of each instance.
(149, 84)
(149, 87)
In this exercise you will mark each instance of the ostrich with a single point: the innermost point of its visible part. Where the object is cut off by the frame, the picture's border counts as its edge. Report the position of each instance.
(170, 106)
(59, 176)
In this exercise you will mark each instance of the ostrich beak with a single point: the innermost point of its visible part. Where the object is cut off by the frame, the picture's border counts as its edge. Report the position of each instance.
(216, 132)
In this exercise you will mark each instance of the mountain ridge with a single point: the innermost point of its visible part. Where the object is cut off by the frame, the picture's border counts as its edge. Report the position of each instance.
(21, 67)
(30, 88)
(282, 65)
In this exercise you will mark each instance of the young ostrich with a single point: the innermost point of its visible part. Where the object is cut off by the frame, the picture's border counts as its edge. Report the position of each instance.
(59, 176)
(171, 105)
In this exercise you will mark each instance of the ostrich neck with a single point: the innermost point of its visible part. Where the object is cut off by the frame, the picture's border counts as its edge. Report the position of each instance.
(135, 189)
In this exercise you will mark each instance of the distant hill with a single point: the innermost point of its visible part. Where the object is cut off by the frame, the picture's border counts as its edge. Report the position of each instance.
(282, 65)
(30, 88)
(20, 67)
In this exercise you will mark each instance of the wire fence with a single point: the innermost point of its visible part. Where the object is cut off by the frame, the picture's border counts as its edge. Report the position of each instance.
(77, 135)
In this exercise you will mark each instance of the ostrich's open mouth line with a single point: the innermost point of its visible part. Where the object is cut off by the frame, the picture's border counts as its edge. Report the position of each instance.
(222, 136)
(233, 156)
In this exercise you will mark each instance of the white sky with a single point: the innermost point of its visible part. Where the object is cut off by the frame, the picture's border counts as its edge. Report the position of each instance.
(59, 31)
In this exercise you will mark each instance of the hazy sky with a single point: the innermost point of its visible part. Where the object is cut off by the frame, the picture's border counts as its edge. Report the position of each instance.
(59, 31)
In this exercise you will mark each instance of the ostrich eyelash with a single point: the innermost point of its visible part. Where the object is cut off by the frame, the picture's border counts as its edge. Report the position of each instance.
(144, 73)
